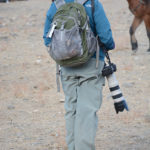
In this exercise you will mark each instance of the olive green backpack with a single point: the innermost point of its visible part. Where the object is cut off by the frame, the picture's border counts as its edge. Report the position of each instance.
(73, 41)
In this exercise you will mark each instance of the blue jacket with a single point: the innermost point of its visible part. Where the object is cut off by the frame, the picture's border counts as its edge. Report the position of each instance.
(101, 26)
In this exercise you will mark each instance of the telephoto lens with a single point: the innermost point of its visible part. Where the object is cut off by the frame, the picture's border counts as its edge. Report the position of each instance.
(119, 101)
(114, 88)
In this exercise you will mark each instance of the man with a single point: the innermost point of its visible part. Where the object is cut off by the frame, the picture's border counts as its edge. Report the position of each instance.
(83, 84)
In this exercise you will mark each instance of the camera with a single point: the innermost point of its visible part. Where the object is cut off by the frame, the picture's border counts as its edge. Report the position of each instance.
(108, 72)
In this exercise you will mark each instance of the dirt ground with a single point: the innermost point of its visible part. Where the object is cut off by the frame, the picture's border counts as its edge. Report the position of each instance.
(32, 112)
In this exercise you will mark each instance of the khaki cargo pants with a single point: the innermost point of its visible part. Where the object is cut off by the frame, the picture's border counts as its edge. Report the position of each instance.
(83, 97)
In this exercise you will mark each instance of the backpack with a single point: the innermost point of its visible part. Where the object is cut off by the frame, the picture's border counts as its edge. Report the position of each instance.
(72, 40)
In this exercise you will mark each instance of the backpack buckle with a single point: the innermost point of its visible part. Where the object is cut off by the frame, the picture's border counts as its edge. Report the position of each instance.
(49, 35)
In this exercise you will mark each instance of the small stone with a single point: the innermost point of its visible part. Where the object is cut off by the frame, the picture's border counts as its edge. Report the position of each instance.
(36, 110)
(38, 61)
(11, 107)
(35, 87)
(62, 100)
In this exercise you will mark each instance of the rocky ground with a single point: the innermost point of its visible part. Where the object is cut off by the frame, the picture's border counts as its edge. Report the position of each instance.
(32, 112)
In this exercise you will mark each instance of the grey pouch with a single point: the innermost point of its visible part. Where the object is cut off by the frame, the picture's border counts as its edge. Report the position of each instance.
(66, 44)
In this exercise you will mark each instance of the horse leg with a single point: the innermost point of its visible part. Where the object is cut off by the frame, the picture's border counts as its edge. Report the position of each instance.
(147, 24)
(136, 22)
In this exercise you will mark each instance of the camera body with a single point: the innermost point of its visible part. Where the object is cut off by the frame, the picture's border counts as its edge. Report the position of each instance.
(109, 69)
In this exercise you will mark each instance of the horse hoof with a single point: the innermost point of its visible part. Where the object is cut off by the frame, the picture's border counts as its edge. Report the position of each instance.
(134, 46)
(148, 50)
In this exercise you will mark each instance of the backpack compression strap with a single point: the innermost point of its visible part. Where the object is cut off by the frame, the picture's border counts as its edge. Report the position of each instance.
(59, 3)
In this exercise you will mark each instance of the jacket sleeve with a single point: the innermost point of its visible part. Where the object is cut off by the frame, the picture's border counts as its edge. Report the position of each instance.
(102, 26)
(49, 16)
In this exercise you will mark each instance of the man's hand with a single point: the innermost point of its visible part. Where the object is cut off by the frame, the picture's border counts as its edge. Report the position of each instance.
(120, 106)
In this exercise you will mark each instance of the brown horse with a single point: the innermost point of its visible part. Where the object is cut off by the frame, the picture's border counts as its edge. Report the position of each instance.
(141, 12)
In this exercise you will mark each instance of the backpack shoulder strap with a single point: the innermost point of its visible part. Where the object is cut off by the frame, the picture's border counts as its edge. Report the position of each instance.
(93, 10)
(93, 7)
(59, 3)
(80, 1)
